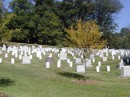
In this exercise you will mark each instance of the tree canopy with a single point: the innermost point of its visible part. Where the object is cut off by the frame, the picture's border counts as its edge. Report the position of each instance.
(44, 21)
(85, 35)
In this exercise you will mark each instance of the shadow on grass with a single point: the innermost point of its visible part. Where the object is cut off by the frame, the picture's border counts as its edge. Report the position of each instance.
(72, 75)
(6, 82)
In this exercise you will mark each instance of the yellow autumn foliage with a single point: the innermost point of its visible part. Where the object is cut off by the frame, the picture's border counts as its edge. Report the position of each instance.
(85, 35)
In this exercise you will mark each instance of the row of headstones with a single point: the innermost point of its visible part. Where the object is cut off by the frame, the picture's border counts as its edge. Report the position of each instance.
(28, 50)
(20, 56)
(113, 52)
(63, 55)
(25, 60)
(81, 68)
(26, 57)
(48, 64)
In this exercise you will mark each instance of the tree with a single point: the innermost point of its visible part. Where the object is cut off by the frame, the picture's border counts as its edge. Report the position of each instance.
(125, 35)
(86, 37)
(48, 27)
(5, 32)
(102, 11)
(2, 9)
(69, 11)
(116, 41)
(23, 10)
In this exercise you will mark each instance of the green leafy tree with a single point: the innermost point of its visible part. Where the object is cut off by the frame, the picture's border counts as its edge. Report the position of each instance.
(23, 10)
(1, 9)
(86, 37)
(5, 32)
(102, 11)
(105, 13)
(125, 35)
(48, 27)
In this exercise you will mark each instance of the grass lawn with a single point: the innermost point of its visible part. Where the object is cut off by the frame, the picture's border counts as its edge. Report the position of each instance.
(34, 80)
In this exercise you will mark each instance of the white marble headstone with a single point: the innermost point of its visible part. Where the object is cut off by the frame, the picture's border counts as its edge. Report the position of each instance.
(80, 68)
(0, 60)
(59, 63)
(78, 61)
(125, 71)
(108, 68)
(26, 60)
(63, 56)
(47, 65)
(12, 61)
(97, 68)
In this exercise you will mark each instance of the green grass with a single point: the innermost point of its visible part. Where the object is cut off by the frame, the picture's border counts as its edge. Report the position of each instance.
(34, 80)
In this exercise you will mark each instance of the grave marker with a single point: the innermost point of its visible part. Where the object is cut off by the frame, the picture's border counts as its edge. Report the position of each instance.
(104, 59)
(125, 71)
(80, 68)
(63, 56)
(71, 64)
(99, 63)
(78, 61)
(97, 68)
(108, 68)
(59, 63)
(0, 60)
(26, 60)
(47, 65)
(12, 61)
(6, 55)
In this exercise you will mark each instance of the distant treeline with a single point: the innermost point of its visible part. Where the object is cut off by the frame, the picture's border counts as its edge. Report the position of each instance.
(45, 21)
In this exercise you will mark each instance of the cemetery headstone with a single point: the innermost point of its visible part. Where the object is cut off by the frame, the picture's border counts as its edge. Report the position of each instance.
(0, 60)
(63, 56)
(93, 60)
(12, 61)
(26, 60)
(104, 59)
(113, 57)
(108, 68)
(6, 55)
(97, 68)
(47, 65)
(4, 47)
(78, 61)
(59, 63)
(20, 57)
(99, 63)
(125, 71)
(119, 57)
(68, 60)
(71, 64)
(88, 63)
(80, 69)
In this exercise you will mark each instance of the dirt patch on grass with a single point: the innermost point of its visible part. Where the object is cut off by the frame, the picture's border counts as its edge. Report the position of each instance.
(85, 82)
(3, 95)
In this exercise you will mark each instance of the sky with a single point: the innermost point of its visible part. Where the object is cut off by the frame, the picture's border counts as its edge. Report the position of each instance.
(123, 17)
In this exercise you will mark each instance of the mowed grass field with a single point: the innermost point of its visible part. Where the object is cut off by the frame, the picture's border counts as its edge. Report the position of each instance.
(34, 80)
